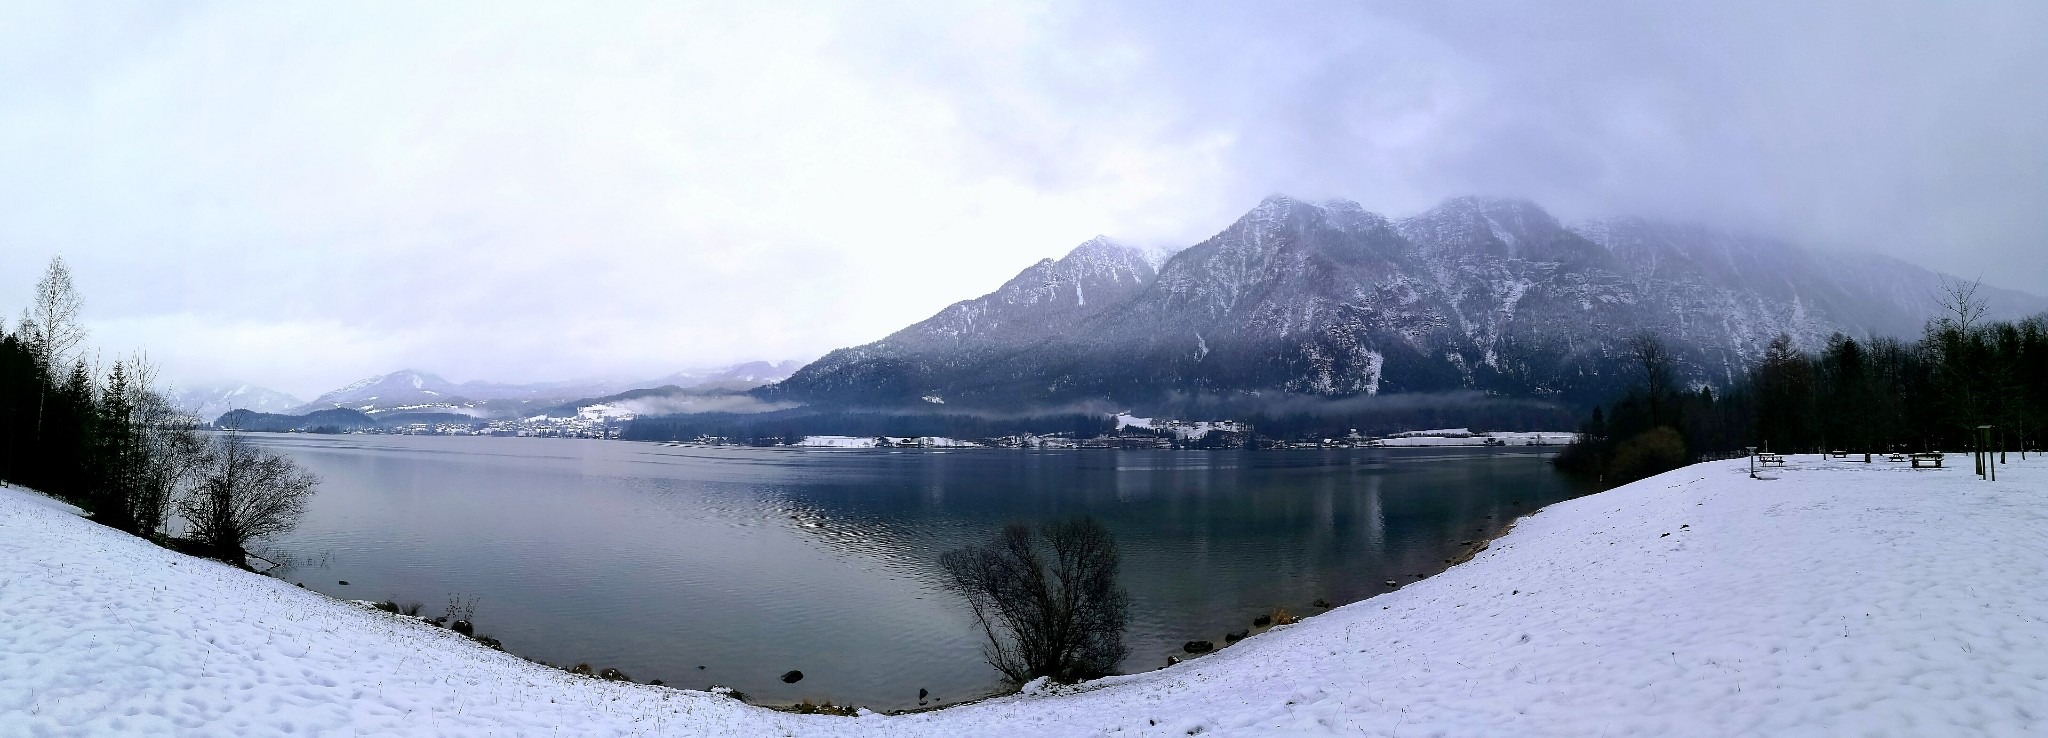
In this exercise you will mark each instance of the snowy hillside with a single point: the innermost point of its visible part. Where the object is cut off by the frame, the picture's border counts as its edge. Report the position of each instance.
(406, 387)
(1834, 599)
(1330, 300)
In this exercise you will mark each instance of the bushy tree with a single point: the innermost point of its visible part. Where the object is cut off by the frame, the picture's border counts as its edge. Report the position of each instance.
(1047, 601)
(243, 493)
(1649, 453)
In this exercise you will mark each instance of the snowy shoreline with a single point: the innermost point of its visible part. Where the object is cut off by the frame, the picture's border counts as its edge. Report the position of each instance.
(1837, 598)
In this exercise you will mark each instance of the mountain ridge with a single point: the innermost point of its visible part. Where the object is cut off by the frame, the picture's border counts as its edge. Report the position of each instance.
(1331, 300)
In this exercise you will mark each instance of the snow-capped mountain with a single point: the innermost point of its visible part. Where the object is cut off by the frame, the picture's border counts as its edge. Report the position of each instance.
(411, 390)
(406, 388)
(1327, 299)
(208, 401)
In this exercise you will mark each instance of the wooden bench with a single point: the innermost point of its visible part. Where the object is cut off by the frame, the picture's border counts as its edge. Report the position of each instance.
(1930, 459)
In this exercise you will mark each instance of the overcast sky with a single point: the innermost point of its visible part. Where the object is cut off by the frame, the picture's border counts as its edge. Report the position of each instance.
(301, 195)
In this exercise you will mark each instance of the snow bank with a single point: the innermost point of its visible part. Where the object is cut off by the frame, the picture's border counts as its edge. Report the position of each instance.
(1838, 599)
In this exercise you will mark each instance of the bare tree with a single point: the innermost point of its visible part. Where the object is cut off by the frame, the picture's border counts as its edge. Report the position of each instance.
(1659, 373)
(170, 446)
(1049, 603)
(1960, 301)
(243, 493)
(50, 324)
(1961, 355)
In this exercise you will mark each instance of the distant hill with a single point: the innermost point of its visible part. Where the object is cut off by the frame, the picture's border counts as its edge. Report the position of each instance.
(330, 420)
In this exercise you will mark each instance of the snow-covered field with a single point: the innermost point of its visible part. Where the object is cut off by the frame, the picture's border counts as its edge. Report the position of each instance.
(1534, 438)
(1836, 599)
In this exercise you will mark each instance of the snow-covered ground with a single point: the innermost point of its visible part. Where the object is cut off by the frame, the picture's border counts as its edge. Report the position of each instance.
(1534, 438)
(1836, 599)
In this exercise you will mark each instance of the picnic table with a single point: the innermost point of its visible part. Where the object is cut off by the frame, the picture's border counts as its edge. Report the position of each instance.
(1933, 459)
(1895, 457)
(1770, 458)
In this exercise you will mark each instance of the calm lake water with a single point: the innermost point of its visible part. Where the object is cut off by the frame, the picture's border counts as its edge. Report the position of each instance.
(748, 562)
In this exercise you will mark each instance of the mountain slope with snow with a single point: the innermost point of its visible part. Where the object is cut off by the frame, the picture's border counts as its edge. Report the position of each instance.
(1047, 300)
(1834, 599)
(1329, 300)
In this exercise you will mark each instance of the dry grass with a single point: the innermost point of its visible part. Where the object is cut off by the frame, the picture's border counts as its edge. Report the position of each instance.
(807, 708)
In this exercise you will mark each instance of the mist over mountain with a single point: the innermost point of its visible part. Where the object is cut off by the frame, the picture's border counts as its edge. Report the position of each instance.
(411, 390)
(209, 401)
(1328, 300)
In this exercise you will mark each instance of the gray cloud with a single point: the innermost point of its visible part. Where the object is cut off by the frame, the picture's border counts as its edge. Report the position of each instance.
(300, 196)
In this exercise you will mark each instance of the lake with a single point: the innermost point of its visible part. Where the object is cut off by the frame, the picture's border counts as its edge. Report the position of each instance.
(704, 565)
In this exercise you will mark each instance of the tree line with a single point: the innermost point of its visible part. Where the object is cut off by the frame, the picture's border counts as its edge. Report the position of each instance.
(1872, 395)
(106, 437)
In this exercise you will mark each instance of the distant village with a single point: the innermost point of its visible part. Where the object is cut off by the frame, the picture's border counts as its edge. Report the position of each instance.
(595, 421)
(1131, 432)
(1168, 434)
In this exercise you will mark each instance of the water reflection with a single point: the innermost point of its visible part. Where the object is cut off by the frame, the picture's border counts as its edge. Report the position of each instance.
(750, 562)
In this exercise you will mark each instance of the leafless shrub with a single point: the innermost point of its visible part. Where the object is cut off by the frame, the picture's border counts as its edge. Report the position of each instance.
(1048, 603)
(243, 493)
(460, 607)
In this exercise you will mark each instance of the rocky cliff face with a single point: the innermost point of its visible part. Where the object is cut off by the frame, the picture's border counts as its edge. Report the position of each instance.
(1329, 300)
